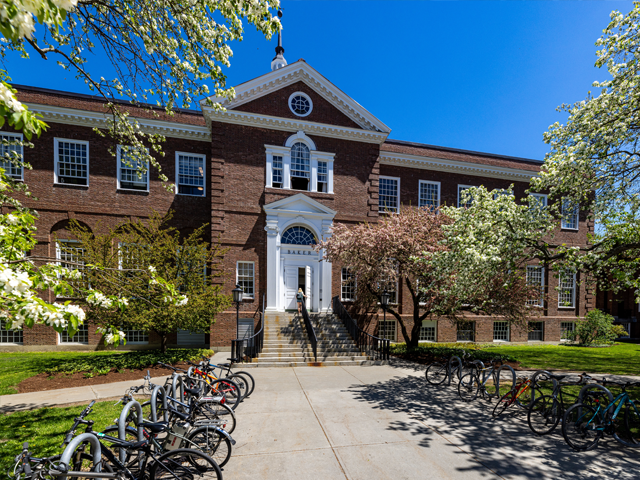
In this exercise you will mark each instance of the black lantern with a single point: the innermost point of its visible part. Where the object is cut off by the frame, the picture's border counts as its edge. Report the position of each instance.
(237, 299)
(384, 300)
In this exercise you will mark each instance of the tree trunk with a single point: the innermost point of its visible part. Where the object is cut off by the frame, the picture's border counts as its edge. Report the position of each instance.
(163, 343)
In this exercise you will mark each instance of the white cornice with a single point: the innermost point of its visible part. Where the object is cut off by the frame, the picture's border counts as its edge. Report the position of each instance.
(88, 118)
(291, 125)
(453, 166)
(302, 71)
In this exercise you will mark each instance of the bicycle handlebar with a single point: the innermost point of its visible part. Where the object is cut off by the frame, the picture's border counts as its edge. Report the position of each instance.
(175, 369)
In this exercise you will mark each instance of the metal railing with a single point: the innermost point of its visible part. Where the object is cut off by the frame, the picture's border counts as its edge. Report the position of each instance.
(310, 331)
(378, 348)
(247, 348)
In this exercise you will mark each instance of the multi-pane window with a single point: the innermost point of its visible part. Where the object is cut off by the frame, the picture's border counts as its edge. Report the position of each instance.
(136, 336)
(322, 177)
(132, 256)
(276, 172)
(130, 177)
(539, 200)
(388, 194)
(71, 162)
(9, 336)
(298, 236)
(300, 166)
(9, 154)
(569, 214)
(535, 278)
(70, 255)
(387, 329)
(536, 331)
(427, 331)
(500, 332)
(245, 278)
(81, 336)
(190, 174)
(567, 329)
(429, 194)
(567, 289)
(348, 288)
(466, 332)
(464, 201)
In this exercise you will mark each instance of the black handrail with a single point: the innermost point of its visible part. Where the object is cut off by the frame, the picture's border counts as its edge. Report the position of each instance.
(310, 331)
(246, 348)
(379, 348)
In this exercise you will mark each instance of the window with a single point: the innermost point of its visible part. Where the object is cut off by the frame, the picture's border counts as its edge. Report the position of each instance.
(462, 188)
(300, 167)
(9, 152)
(536, 331)
(136, 336)
(245, 278)
(81, 336)
(70, 254)
(500, 332)
(348, 288)
(501, 192)
(535, 278)
(132, 256)
(466, 332)
(300, 104)
(539, 200)
(322, 177)
(387, 329)
(427, 331)
(567, 290)
(129, 176)
(429, 194)
(298, 236)
(9, 336)
(71, 162)
(190, 174)
(569, 214)
(566, 330)
(389, 194)
(277, 175)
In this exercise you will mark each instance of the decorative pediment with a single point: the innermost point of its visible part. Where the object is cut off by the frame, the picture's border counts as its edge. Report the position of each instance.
(299, 205)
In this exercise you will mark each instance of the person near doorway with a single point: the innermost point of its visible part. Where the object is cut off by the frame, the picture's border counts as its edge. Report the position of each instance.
(300, 296)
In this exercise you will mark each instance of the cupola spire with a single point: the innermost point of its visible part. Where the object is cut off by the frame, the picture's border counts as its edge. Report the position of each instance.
(279, 61)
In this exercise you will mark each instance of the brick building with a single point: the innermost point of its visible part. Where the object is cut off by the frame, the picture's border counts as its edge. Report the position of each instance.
(291, 155)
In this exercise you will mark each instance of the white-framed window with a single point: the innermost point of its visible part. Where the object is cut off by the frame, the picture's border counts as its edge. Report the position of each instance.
(245, 278)
(570, 211)
(567, 289)
(70, 255)
(71, 162)
(81, 337)
(539, 200)
(136, 337)
(389, 194)
(566, 329)
(462, 188)
(300, 167)
(428, 194)
(500, 192)
(387, 329)
(536, 331)
(277, 173)
(535, 278)
(298, 235)
(8, 152)
(323, 177)
(300, 104)
(190, 169)
(428, 331)
(129, 176)
(8, 336)
(500, 331)
(348, 286)
(466, 331)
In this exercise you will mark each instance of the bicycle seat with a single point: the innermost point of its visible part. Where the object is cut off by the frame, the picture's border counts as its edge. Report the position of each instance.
(180, 415)
(555, 377)
(154, 427)
(224, 364)
(193, 391)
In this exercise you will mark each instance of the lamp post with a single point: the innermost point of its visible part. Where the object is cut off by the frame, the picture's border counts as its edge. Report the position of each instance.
(384, 301)
(237, 299)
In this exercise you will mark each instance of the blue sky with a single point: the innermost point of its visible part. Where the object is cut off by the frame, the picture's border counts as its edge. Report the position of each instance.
(477, 75)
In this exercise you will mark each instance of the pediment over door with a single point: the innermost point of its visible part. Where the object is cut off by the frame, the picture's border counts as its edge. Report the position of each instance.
(299, 204)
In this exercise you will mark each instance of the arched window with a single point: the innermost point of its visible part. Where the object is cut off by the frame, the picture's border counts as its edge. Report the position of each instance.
(298, 236)
(300, 166)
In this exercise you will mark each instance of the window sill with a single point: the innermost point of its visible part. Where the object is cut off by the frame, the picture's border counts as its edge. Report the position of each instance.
(501, 341)
(71, 185)
(566, 308)
(465, 341)
(10, 344)
(567, 229)
(188, 195)
(291, 190)
(131, 190)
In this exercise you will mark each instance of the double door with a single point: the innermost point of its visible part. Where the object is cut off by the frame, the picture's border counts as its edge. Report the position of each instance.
(296, 277)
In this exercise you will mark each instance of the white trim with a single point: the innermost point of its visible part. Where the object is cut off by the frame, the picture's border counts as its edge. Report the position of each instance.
(88, 118)
(397, 196)
(576, 214)
(530, 331)
(455, 166)
(60, 342)
(508, 332)
(118, 174)
(300, 136)
(573, 294)
(464, 187)
(56, 141)
(355, 285)
(541, 299)
(253, 280)
(204, 174)
(20, 138)
(430, 182)
(307, 97)
(541, 196)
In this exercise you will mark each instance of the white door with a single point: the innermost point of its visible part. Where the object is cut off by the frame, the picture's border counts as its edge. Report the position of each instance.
(185, 337)
(307, 286)
(290, 287)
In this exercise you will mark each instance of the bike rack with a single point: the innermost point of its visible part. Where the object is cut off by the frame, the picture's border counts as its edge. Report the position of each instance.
(593, 386)
(450, 369)
(154, 398)
(534, 379)
(96, 450)
(190, 371)
(122, 426)
(513, 376)
(174, 389)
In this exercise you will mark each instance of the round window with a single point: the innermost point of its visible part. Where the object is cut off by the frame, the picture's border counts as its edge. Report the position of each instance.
(300, 104)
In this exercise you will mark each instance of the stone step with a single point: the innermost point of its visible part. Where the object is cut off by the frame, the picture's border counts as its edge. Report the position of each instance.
(310, 358)
(298, 348)
(338, 363)
(297, 353)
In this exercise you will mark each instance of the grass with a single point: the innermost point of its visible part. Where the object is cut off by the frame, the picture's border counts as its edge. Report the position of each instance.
(18, 366)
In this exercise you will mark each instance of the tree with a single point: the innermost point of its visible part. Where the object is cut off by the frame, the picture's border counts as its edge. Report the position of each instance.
(597, 328)
(127, 252)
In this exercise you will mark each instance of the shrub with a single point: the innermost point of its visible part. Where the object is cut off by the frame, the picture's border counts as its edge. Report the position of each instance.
(597, 328)
(444, 351)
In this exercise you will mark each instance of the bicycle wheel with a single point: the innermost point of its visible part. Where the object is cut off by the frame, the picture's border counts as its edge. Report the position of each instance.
(505, 402)
(213, 443)
(185, 463)
(130, 435)
(228, 389)
(82, 462)
(436, 373)
(526, 397)
(242, 383)
(582, 427)
(215, 413)
(627, 425)
(469, 387)
(251, 382)
(544, 415)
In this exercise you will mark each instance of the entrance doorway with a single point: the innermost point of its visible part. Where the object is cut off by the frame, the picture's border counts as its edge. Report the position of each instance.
(304, 282)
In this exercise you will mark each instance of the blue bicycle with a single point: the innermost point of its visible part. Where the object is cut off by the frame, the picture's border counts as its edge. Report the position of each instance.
(584, 425)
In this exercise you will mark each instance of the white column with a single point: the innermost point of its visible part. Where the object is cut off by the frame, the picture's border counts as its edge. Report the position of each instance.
(272, 263)
(269, 179)
(330, 177)
(326, 269)
(314, 174)
(317, 288)
(286, 171)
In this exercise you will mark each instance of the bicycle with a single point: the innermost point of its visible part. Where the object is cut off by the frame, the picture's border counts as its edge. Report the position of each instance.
(520, 395)
(438, 372)
(584, 425)
(251, 383)
(472, 384)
